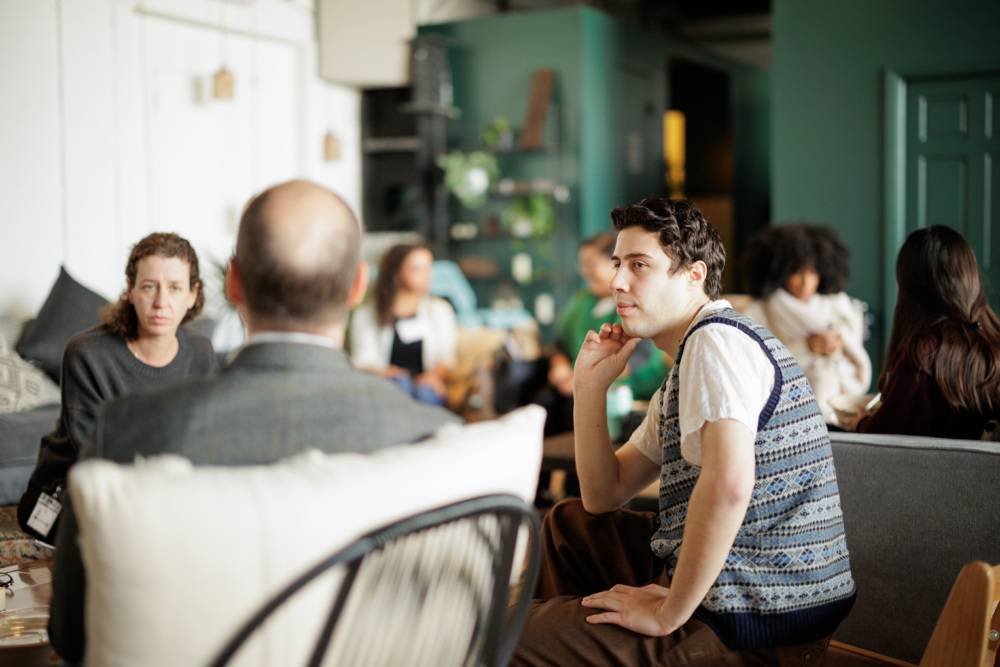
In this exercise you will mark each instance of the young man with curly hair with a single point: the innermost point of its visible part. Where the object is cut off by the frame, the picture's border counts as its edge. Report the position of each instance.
(745, 562)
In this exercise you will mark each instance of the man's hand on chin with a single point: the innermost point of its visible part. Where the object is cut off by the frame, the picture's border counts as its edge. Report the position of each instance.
(603, 356)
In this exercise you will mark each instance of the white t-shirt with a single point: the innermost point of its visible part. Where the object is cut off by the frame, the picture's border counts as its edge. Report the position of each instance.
(725, 375)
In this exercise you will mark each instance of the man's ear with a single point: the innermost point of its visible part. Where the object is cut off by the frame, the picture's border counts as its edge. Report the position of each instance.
(360, 285)
(697, 272)
(234, 288)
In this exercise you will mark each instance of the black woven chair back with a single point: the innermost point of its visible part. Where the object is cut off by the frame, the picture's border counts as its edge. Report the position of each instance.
(448, 587)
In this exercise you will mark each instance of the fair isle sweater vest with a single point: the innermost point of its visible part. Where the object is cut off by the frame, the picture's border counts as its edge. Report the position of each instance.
(787, 579)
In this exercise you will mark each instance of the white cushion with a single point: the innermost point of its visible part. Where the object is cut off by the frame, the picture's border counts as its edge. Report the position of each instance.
(179, 557)
(22, 386)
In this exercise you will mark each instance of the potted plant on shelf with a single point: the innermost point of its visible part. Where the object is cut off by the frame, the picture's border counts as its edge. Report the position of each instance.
(529, 216)
(498, 135)
(469, 176)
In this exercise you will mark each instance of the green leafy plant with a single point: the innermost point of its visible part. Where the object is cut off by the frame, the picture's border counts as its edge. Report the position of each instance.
(530, 216)
(220, 271)
(498, 134)
(469, 176)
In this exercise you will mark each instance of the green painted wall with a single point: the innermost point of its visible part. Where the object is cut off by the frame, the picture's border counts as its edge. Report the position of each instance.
(828, 63)
(624, 69)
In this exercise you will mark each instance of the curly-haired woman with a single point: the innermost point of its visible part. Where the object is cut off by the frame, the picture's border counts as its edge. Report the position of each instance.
(796, 275)
(141, 341)
(403, 333)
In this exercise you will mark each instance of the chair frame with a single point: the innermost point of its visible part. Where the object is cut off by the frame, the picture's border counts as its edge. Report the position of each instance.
(965, 630)
(500, 639)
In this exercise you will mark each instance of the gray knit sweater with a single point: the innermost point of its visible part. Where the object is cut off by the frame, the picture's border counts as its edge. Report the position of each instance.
(97, 366)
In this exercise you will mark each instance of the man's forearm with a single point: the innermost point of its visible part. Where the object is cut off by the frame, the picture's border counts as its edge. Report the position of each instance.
(712, 524)
(602, 470)
(716, 510)
(596, 464)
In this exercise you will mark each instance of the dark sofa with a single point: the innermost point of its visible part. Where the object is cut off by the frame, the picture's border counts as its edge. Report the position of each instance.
(915, 511)
(20, 434)
(30, 361)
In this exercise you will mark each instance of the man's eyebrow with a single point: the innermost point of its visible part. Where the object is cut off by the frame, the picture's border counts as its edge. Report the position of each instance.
(632, 255)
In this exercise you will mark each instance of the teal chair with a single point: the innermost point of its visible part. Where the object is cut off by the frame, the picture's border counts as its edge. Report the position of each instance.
(448, 282)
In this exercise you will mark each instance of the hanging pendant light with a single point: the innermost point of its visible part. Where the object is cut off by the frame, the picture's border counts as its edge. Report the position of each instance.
(222, 80)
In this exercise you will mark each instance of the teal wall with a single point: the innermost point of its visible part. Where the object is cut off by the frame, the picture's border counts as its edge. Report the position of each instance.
(624, 68)
(828, 63)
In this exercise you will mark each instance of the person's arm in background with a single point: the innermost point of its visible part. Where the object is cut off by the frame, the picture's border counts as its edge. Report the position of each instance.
(566, 332)
(561, 373)
(365, 343)
(69, 580)
(81, 394)
(443, 343)
(66, 624)
(906, 402)
(856, 377)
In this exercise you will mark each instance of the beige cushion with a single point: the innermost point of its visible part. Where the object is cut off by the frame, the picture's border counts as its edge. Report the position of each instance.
(178, 557)
(22, 386)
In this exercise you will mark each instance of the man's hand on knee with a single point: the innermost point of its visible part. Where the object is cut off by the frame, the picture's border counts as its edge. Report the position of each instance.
(641, 610)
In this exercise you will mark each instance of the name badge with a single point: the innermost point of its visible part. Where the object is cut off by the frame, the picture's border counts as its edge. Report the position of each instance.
(45, 514)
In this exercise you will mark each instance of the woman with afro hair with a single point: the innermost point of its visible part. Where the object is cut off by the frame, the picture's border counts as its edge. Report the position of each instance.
(796, 275)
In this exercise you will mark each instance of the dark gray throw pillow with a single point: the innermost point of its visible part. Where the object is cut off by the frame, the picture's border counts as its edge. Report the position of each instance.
(69, 309)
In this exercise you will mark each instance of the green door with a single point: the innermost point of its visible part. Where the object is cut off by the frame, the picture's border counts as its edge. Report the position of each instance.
(952, 164)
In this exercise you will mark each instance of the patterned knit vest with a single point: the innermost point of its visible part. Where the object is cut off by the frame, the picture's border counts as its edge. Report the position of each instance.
(787, 579)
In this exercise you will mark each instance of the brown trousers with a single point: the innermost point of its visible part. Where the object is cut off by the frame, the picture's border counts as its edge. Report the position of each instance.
(585, 554)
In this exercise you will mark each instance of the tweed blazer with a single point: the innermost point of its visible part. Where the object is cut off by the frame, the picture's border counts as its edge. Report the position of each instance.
(272, 401)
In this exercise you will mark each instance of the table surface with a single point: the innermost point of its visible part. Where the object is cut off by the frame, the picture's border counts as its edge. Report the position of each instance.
(32, 585)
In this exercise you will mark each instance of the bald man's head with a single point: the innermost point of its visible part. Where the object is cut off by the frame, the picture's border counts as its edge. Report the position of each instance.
(297, 254)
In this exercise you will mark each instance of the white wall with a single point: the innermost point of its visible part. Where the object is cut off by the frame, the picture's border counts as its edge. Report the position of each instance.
(109, 131)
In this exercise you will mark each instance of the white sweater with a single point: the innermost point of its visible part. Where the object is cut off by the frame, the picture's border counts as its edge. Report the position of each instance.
(371, 345)
(848, 371)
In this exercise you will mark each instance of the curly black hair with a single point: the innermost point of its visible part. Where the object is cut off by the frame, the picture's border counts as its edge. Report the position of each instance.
(777, 251)
(685, 235)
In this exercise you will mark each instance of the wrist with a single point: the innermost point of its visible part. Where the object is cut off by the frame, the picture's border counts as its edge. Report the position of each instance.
(589, 392)
(668, 620)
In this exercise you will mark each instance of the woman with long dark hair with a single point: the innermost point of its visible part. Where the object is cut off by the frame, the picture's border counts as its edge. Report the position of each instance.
(403, 333)
(942, 368)
(141, 341)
